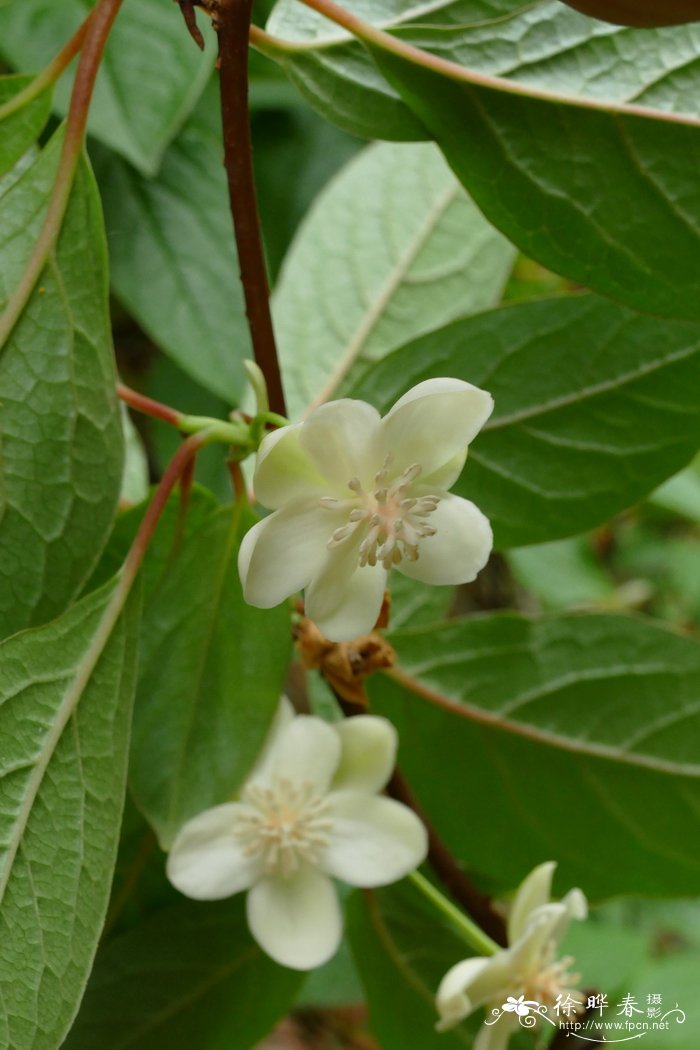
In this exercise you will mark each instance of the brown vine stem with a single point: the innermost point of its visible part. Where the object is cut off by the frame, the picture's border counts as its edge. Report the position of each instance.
(98, 27)
(232, 23)
(49, 75)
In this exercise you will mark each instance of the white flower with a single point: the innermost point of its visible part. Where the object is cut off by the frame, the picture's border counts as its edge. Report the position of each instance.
(354, 495)
(309, 812)
(524, 975)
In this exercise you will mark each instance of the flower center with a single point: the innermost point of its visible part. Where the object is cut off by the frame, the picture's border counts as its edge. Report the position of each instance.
(283, 824)
(394, 521)
(545, 983)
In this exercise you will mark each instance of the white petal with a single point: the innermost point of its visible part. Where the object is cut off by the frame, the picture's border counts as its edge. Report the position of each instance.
(283, 470)
(306, 751)
(533, 892)
(284, 715)
(342, 440)
(495, 1036)
(434, 421)
(576, 904)
(283, 552)
(373, 841)
(297, 921)
(368, 756)
(460, 547)
(470, 984)
(344, 599)
(206, 861)
(544, 928)
(445, 476)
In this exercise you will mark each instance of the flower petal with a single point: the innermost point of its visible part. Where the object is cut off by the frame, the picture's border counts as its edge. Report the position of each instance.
(533, 892)
(344, 599)
(460, 547)
(283, 470)
(434, 421)
(368, 756)
(470, 984)
(284, 716)
(206, 861)
(495, 1036)
(307, 751)
(342, 441)
(297, 921)
(283, 552)
(544, 928)
(373, 841)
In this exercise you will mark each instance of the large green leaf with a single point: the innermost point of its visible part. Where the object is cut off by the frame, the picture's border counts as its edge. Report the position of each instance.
(357, 283)
(211, 673)
(151, 76)
(540, 45)
(575, 381)
(551, 163)
(580, 731)
(65, 705)
(189, 977)
(60, 431)
(21, 129)
(173, 261)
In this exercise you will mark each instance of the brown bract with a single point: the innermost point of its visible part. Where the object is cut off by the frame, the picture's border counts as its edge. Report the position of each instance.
(345, 665)
(644, 13)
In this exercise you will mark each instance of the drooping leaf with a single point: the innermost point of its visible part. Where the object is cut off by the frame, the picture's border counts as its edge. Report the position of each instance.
(579, 731)
(541, 46)
(61, 442)
(150, 79)
(391, 249)
(557, 178)
(211, 673)
(21, 129)
(173, 256)
(65, 704)
(189, 977)
(554, 159)
(574, 380)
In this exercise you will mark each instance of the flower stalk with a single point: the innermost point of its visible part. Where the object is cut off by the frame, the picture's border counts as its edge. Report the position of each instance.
(461, 923)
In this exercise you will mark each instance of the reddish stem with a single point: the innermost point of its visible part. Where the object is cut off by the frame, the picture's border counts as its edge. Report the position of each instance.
(148, 406)
(97, 32)
(232, 23)
(173, 472)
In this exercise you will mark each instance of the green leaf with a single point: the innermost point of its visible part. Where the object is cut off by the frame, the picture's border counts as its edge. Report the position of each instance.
(20, 130)
(211, 674)
(402, 950)
(60, 430)
(150, 79)
(563, 575)
(575, 381)
(680, 494)
(173, 256)
(557, 177)
(578, 730)
(189, 977)
(308, 149)
(553, 158)
(65, 705)
(357, 283)
(542, 46)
